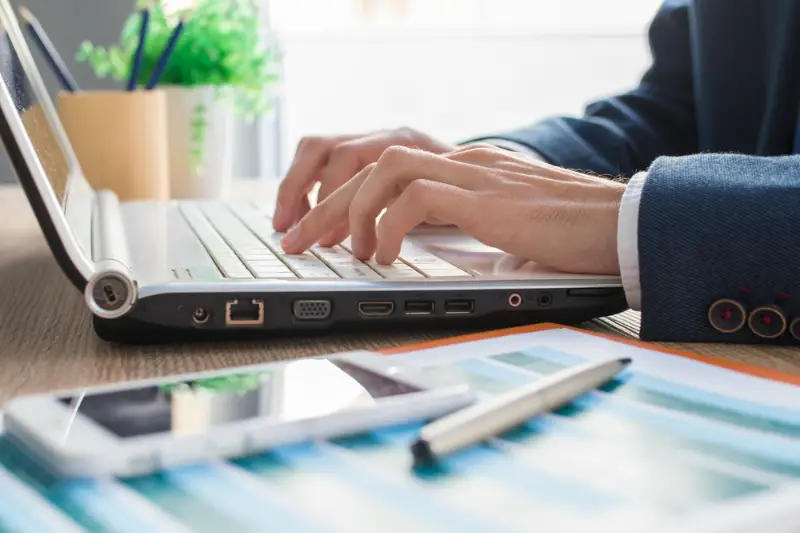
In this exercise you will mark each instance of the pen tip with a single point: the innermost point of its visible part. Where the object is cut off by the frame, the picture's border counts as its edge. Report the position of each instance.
(25, 13)
(626, 361)
(422, 453)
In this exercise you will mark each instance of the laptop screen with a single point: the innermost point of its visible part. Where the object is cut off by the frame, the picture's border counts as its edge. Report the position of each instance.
(42, 142)
(33, 116)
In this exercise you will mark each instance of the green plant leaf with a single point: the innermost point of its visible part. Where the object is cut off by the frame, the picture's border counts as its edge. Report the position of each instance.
(222, 45)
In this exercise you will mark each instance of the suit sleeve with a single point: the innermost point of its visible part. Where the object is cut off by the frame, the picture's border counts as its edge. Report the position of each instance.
(623, 134)
(718, 227)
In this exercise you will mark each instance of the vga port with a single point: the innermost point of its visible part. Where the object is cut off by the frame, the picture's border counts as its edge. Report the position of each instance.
(312, 309)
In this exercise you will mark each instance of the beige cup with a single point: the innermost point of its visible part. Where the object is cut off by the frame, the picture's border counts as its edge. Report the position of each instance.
(120, 140)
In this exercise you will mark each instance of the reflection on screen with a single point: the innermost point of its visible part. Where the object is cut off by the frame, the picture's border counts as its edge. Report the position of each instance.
(39, 130)
(290, 391)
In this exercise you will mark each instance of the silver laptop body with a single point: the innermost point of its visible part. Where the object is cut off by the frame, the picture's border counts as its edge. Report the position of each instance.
(183, 270)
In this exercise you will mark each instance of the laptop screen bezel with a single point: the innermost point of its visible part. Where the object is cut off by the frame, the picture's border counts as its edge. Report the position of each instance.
(52, 215)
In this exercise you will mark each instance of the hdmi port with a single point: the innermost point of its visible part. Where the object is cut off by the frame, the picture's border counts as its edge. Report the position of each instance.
(375, 309)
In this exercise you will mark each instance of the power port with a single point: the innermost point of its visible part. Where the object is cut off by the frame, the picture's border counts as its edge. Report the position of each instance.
(244, 312)
(544, 299)
(514, 300)
(200, 316)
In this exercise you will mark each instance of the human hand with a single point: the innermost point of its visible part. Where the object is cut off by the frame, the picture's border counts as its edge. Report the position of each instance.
(556, 217)
(332, 161)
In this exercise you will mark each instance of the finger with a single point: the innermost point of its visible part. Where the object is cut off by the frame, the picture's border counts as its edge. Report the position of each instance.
(307, 166)
(330, 213)
(421, 200)
(336, 236)
(395, 170)
(303, 208)
(345, 161)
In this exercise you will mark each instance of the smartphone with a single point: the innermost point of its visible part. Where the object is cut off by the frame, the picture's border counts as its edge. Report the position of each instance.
(139, 427)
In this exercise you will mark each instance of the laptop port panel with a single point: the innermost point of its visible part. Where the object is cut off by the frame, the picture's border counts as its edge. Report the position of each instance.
(236, 314)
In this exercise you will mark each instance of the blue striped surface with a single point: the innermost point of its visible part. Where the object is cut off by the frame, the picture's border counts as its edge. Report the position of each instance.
(502, 486)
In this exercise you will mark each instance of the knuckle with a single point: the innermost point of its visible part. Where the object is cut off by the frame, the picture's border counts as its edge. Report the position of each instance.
(418, 191)
(484, 147)
(343, 151)
(485, 152)
(474, 152)
(395, 154)
(313, 142)
(405, 133)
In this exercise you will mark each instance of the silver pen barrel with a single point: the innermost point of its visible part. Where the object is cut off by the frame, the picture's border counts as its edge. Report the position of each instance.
(501, 413)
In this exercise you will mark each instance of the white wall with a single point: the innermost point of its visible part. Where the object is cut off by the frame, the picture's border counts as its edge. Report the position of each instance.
(451, 84)
(454, 68)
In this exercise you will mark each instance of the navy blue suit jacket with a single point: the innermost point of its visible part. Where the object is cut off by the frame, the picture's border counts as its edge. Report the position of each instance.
(714, 122)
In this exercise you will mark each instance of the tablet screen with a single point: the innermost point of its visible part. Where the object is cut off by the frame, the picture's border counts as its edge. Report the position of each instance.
(291, 391)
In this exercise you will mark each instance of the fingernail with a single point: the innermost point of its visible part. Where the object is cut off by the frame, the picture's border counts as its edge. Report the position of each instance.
(383, 258)
(289, 239)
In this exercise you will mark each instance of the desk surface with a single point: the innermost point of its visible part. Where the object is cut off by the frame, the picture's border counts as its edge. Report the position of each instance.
(47, 342)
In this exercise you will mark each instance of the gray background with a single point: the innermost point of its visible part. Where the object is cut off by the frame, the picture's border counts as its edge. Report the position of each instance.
(69, 23)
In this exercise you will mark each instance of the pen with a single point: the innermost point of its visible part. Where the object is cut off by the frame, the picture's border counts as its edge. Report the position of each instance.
(501, 413)
(137, 57)
(49, 50)
(165, 55)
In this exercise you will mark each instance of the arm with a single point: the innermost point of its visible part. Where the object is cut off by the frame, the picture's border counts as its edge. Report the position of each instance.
(714, 227)
(624, 134)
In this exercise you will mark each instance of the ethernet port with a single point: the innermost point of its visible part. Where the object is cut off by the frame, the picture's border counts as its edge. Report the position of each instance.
(244, 312)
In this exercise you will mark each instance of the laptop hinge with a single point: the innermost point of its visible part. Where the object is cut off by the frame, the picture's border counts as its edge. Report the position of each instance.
(112, 290)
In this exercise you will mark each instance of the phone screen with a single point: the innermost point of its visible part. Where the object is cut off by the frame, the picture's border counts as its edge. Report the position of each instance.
(289, 391)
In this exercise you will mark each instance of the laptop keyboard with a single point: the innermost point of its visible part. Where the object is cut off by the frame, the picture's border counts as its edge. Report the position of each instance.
(243, 244)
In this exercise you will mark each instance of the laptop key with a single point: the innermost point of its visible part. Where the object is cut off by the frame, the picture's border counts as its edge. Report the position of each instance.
(315, 272)
(350, 271)
(445, 273)
(226, 260)
(398, 270)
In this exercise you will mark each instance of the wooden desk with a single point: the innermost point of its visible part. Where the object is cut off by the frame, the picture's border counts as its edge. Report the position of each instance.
(46, 339)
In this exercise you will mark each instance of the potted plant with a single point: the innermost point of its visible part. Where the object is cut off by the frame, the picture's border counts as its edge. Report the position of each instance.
(221, 66)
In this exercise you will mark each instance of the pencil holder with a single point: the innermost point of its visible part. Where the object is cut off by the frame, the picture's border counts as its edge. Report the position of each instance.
(120, 140)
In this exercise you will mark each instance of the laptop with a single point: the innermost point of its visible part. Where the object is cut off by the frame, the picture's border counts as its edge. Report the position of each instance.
(182, 270)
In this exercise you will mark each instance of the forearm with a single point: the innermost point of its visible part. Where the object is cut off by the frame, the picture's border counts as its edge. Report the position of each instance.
(712, 227)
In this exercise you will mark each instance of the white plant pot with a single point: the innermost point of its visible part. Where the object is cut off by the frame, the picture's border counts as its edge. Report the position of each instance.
(210, 175)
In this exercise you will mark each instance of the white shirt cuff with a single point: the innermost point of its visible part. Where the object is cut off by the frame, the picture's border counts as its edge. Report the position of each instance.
(512, 146)
(628, 241)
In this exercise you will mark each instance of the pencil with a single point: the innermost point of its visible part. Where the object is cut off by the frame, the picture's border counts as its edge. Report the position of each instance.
(49, 50)
(165, 55)
(137, 58)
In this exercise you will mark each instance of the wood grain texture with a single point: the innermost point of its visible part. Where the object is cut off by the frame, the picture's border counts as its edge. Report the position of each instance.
(47, 342)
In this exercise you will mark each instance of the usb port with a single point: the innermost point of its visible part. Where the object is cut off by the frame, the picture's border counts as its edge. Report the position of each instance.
(375, 309)
(419, 307)
(459, 307)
